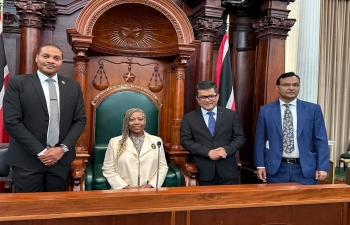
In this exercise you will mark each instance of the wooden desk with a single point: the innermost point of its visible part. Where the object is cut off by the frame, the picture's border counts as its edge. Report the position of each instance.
(235, 205)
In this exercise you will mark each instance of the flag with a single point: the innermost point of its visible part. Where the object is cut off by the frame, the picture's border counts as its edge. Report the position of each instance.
(223, 76)
(4, 76)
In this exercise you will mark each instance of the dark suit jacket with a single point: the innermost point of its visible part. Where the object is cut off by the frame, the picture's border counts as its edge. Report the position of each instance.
(26, 119)
(311, 134)
(196, 138)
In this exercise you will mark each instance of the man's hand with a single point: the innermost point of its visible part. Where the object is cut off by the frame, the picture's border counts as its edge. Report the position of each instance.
(51, 156)
(217, 153)
(320, 175)
(261, 173)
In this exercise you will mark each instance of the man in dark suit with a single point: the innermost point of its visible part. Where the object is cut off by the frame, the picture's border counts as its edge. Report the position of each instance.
(291, 140)
(43, 138)
(213, 135)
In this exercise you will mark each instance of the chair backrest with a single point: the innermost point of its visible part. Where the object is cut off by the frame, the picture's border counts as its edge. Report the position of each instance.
(109, 115)
(4, 168)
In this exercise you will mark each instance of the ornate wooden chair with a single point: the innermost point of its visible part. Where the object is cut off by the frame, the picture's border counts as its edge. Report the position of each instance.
(5, 179)
(108, 112)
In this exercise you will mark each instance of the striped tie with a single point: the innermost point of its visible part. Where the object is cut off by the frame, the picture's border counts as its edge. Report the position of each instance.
(53, 134)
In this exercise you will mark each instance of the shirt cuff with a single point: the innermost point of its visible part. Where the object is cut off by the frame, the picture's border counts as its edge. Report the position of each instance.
(42, 152)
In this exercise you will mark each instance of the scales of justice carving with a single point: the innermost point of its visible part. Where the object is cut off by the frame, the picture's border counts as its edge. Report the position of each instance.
(100, 81)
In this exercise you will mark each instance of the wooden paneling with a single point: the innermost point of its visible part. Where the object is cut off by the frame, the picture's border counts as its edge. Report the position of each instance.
(205, 205)
(243, 52)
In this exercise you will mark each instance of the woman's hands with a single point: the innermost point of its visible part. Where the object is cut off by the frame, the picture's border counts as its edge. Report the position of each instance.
(138, 187)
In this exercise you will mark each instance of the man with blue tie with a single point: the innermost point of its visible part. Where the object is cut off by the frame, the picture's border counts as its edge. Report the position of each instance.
(213, 135)
(291, 142)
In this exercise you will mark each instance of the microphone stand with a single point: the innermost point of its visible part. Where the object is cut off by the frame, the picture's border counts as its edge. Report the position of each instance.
(158, 144)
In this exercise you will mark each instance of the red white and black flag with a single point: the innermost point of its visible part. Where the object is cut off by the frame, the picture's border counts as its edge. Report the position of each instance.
(223, 76)
(4, 76)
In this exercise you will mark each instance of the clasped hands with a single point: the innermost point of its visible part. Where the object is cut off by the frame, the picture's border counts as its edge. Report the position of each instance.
(217, 153)
(51, 156)
(138, 187)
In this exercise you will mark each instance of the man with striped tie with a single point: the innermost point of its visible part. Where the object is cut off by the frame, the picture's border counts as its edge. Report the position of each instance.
(291, 142)
(44, 114)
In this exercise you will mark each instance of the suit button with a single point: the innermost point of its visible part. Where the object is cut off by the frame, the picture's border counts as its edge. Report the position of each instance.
(46, 121)
(43, 135)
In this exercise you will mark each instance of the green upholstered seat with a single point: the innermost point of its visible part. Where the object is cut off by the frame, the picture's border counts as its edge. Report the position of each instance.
(108, 123)
(344, 156)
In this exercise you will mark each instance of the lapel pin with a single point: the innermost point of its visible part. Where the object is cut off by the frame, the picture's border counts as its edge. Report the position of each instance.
(153, 146)
(63, 82)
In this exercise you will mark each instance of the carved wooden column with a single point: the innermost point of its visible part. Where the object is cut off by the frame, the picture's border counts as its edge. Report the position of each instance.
(30, 23)
(49, 18)
(243, 41)
(176, 153)
(206, 29)
(177, 101)
(272, 30)
(76, 178)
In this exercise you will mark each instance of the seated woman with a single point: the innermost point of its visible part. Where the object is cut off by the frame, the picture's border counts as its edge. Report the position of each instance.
(131, 159)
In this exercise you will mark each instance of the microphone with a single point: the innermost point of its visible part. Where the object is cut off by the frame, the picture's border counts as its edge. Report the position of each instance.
(158, 144)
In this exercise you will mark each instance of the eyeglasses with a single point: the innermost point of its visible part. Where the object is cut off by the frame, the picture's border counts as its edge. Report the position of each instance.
(210, 97)
(286, 85)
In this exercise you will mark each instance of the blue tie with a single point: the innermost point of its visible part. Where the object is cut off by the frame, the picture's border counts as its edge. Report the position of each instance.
(211, 122)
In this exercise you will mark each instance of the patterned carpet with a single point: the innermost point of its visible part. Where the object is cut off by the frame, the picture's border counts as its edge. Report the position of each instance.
(340, 173)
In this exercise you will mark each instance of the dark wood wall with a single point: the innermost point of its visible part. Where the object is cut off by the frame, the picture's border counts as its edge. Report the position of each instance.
(257, 33)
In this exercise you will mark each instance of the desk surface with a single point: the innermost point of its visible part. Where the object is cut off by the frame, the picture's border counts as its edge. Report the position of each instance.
(27, 206)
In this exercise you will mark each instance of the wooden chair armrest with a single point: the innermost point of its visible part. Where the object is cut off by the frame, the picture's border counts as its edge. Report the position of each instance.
(189, 170)
(76, 179)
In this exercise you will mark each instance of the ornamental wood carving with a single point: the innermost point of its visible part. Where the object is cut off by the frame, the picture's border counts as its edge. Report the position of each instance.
(273, 27)
(206, 29)
(9, 19)
(49, 18)
(94, 10)
(29, 12)
(137, 27)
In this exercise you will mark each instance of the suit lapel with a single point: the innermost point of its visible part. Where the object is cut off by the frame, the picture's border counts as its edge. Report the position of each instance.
(148, 145)
(301, 116)
(219, 116)
(276, 116)
(39, 91)
(201, 121)
(130, 146)
(63, 90)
